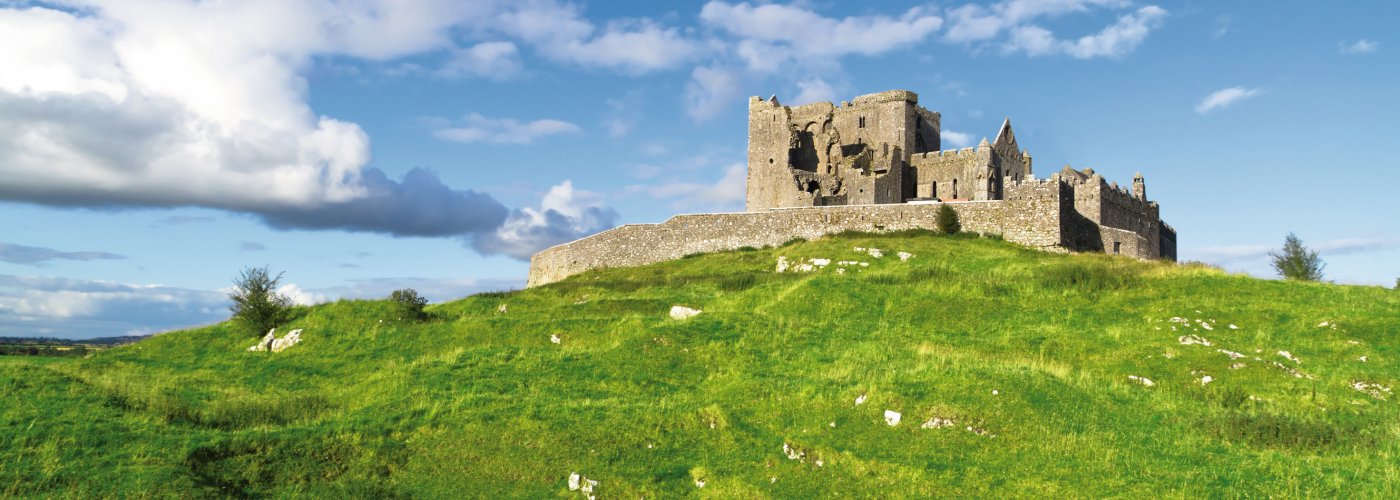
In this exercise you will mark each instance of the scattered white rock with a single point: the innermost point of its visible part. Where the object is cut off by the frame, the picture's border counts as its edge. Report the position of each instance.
(859, 249)
(1324, 324)
(847, 262)
(1362, 359)
(892, 418)
(554, 339)
(936, 423)
(588, 485)
(905, 256)
(1372, 389)
(773, 480)
(265, 343)
(1289, 356)
(1353, 342)
(821, 262)
(1206, 326)
(270, 342)
(832, 425)
(864, 264)
(793, 453)
(1141, 380)
(1207, 379)
(1193, 340)
(1233, 327)
(683, 312)
(501, 309)
(875, 252)
(860, 400)
(819, 462)
(782, 264)
(1237, 366)
(840, 270)
(573, 481)
(1231, 354)
(699, 483)
(1169, 355)
(995, 392)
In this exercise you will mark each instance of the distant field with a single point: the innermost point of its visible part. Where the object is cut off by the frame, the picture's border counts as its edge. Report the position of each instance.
(1014, 373)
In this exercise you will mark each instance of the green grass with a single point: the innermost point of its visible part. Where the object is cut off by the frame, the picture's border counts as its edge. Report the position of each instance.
(1032, 350)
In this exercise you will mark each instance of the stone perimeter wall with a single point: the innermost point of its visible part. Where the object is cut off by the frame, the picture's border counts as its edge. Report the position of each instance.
(1031, 218)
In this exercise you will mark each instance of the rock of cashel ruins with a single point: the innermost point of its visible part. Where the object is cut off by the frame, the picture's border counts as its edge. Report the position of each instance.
(875, 163)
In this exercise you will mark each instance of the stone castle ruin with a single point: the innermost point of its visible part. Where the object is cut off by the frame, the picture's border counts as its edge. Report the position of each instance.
(875, 164)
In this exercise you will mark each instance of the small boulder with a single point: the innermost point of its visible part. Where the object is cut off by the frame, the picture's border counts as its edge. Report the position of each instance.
(683, 312)
(892, 418)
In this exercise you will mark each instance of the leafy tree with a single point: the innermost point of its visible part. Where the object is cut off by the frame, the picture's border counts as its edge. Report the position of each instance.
(410, 304)
(948, 220)
(1296, 262)
(256, 303)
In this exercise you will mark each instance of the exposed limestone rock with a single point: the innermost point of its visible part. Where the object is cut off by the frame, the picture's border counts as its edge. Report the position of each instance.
(265, 343)
(892, 418)
(290, 340)
(270, 342)
(937, 423)
(682, 312)
(1141, 380)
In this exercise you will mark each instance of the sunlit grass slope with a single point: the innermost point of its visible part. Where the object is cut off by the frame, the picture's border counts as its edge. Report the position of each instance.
(1019, 360)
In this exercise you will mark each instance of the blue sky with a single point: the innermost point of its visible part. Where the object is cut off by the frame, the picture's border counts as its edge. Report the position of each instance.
(150, 150)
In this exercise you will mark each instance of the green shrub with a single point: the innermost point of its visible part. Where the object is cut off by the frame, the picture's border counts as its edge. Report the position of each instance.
(256, 304)
(409, 305)
(948, 220)
(1296, 262)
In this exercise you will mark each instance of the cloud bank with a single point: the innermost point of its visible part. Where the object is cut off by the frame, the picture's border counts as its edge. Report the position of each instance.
(203, 104)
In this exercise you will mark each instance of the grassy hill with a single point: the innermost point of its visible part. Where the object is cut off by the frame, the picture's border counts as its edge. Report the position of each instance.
(1038, 362)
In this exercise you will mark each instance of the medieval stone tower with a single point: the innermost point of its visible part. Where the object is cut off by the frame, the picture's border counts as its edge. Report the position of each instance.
(873, 149)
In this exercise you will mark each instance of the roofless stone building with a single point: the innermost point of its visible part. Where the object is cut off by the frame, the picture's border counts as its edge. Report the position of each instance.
(875, 163)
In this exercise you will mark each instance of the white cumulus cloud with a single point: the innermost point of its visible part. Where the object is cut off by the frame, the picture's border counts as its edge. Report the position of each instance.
(565, 214)
(954, 140)
(1224, 97)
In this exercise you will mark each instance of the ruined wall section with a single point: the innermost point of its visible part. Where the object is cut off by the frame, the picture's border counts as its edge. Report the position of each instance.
(1031, 219)
(1099, 204)
(771, 137)
(950, 174)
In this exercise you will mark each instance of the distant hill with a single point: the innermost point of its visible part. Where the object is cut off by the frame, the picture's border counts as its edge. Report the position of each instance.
(99, 341)
(1010, 372)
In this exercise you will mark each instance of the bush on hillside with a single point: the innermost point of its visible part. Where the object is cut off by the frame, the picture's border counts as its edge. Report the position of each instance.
(948, 220)
(256, 304)
(409, 304)
(1297, 262)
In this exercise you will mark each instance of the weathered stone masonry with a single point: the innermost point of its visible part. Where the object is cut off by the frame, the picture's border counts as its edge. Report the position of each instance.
(873, 164)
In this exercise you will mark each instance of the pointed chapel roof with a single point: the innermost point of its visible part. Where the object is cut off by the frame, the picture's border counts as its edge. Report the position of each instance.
(1005, 136)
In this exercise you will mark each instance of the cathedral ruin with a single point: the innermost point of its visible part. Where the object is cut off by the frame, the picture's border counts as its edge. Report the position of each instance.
(875, 163)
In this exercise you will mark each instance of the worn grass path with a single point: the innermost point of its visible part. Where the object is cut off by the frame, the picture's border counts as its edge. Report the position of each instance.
(1028, 354)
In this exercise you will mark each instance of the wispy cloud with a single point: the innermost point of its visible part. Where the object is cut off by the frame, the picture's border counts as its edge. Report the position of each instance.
(1359, 47)
(477, 128)
(37, 256)
(1343, 246)
(252, 246)
(1224, 97)
(727, 193)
